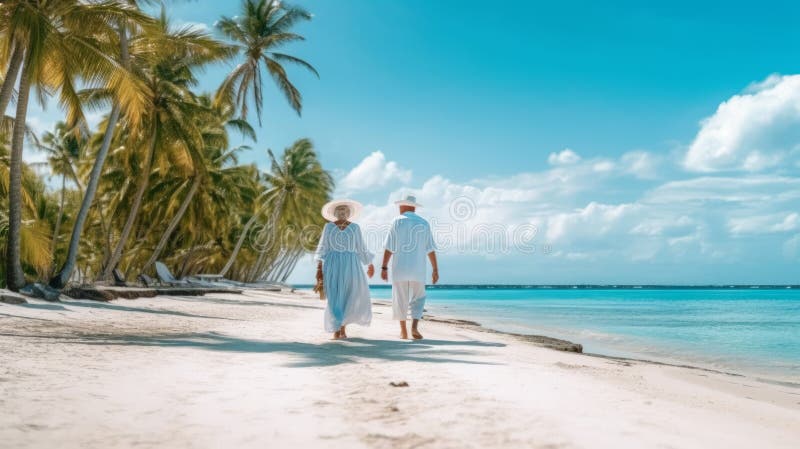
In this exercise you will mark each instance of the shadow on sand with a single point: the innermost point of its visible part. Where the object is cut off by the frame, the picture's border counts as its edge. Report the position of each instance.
(240, 302)
(110, 306)
(353, 350)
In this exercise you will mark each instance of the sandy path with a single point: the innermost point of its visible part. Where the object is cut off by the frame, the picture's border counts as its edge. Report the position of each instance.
(255, 370)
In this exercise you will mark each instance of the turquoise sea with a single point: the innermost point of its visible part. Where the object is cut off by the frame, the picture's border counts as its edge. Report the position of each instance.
(744, 330)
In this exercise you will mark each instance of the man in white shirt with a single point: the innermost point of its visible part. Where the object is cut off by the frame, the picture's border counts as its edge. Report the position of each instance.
(410, 241)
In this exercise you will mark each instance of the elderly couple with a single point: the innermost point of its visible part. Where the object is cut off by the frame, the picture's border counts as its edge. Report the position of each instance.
(341, 252)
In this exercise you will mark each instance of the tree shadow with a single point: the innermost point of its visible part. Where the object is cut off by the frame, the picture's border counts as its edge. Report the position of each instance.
(329, 353)
(23, 317)
(240, 302)
(108, 306)
(44, 306)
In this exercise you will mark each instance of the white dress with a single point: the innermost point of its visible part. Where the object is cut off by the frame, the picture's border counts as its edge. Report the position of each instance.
(342, 252)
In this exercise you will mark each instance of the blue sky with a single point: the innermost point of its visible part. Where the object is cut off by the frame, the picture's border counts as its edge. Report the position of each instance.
(644, 143)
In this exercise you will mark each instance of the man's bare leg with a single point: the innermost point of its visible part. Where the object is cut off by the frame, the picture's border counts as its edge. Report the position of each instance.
(403, 330)
(414, 332)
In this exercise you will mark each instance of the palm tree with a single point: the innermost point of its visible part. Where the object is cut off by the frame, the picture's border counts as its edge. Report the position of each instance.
(34, 234)
(212, 169)
(262, 27)
(65, 148)
(12, 73)
(297, 182)
(60, 40)
(168, 72)
(122, 100)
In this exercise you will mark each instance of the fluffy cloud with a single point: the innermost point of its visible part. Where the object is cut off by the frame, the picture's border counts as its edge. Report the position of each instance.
(593, 221)
(752, 131)
(373, 171)
(585, 225)
(564, 157)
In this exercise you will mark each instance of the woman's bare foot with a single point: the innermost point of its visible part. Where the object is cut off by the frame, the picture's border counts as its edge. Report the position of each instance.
(342, 333)
(404, 334)
(337, 335)
(415, 333)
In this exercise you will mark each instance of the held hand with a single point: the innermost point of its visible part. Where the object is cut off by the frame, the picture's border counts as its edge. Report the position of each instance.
(435, 276)
(385, 275)
(370, 271)
(319, 275)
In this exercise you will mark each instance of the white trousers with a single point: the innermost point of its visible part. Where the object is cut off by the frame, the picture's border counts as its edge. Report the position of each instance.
(408, 296)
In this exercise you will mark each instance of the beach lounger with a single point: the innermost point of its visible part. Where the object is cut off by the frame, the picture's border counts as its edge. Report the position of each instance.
(166, 276)
(119, 278)
(147, 281)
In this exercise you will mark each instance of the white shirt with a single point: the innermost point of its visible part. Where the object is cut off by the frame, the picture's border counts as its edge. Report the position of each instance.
(410, 240)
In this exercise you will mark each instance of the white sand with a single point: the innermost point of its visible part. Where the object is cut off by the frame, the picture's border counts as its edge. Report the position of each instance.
(256, 370)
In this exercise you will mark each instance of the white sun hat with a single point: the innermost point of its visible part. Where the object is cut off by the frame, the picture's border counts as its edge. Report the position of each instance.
(410, 200)
(329, 207)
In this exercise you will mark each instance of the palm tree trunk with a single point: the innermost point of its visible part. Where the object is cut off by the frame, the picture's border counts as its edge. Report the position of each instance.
(273, 227)
(274, 266)
(254, 270)
(11, 78)
(260, 268)
(144, 181)
(61, 278)
(57, 226)
(290, 267)
(174, 222)
(15, 278)
(280, 274)
(239, 244)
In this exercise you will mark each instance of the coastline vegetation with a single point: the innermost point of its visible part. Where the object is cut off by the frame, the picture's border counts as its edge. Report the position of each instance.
(158, 178)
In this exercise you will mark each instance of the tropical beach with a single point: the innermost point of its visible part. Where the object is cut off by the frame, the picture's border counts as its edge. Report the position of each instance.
(393, 224)
(242, 370)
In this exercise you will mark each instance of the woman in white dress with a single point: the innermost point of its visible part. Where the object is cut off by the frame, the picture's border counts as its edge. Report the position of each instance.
(340, 254)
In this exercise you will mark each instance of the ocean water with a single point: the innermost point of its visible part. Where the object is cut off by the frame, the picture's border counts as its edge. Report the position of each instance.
(749, 331)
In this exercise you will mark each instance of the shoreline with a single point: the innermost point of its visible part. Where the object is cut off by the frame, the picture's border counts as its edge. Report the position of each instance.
(558, 344)
(239, 370)
(593, 286)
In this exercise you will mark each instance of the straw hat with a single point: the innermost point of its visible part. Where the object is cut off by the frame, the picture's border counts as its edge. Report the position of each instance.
(328, 208)
(410, 200)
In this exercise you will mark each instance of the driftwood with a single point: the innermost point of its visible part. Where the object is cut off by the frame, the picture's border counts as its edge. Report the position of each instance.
(9, 297)
(538, 340)
(108, 293)
(91, 293)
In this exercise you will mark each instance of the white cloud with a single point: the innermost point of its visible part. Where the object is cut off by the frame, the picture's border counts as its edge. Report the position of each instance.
(752, 189)
(603, 166)
(593, 221)
(374, 171)
(669, 226)
(752, 131)
(765, 224)
(641, 164)
(587, 219)
(564, 157)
